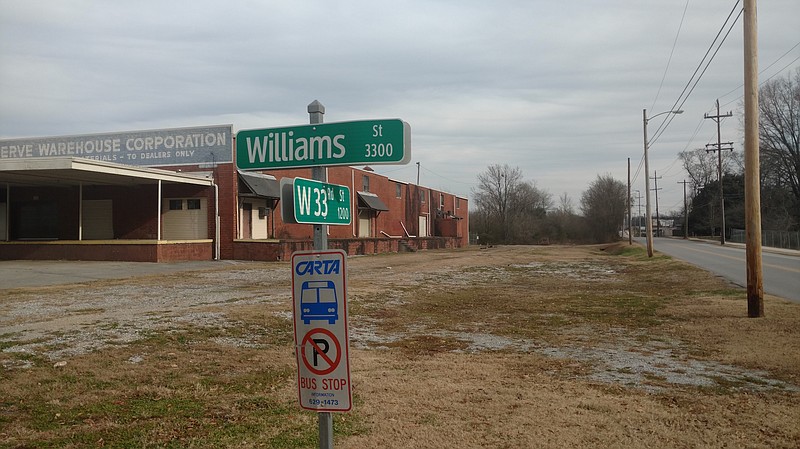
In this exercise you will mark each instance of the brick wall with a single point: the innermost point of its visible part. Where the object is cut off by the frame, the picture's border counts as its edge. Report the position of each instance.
(283, 249)
(403, 211)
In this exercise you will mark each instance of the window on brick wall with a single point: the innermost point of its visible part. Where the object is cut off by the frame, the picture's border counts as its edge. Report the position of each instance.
(398, 190)
(441, 201)
(366, 183)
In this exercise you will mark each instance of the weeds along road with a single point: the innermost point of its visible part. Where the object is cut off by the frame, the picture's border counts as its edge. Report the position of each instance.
(781, 270)
(523, 346)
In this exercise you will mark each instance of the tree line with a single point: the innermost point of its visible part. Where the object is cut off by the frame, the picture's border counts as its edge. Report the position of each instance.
(510, 210)
(779, 154)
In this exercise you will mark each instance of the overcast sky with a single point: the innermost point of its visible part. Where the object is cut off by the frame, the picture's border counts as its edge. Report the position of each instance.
(554, 88)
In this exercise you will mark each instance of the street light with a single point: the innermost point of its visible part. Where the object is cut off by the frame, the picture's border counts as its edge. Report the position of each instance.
(649, 223)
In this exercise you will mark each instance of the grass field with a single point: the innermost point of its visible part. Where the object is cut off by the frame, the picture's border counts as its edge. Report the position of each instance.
(504, 347)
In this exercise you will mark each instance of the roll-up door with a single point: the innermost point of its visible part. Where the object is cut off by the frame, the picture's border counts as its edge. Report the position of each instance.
(184, 219)
(3, 221)
(98, 220)
(36, 220)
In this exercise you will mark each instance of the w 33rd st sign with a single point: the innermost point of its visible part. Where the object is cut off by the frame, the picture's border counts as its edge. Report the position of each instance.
(313, 202)
(374, 142)
(319, 299)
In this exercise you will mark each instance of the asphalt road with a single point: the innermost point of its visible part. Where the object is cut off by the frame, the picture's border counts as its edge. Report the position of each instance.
(780, 268)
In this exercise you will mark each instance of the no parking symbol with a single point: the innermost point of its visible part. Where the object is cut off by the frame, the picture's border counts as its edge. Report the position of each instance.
(321, 351)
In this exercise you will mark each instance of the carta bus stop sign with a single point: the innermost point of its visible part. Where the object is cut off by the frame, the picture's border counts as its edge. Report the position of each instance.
(319, 298)
(373, 142)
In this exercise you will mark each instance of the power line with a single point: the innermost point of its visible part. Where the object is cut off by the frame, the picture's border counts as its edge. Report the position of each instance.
(762, 72)
(681, 99)
(761, 83)
(638, 170)
(666, 69)
(702, 120)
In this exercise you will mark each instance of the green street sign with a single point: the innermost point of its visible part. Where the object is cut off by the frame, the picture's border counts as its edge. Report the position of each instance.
(372, 142)
(305, 201)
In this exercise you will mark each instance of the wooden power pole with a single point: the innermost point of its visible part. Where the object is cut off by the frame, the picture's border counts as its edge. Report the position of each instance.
(685, 211)
(630, 219)
(752, 183)
(728, 146)
(656, 189)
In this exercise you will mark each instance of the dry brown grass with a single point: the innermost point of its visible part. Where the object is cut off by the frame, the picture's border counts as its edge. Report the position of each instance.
(506, 347)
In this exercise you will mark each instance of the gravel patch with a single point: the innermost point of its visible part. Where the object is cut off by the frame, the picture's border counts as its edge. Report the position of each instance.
(58, 324)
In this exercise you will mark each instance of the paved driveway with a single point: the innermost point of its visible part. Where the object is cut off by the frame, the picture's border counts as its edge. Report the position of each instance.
(37, 273)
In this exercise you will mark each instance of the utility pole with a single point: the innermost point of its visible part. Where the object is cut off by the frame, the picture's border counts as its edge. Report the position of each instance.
(656, 189)
(685, 211)
(649, 224)
(639, 214)
(729, 146)
(752, 183)
(630, 225)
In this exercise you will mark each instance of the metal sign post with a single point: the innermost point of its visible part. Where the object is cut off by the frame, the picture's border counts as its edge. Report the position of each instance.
(315, 112)
(318, 276)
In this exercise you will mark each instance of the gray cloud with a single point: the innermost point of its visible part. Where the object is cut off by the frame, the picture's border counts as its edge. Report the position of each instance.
(556, 89)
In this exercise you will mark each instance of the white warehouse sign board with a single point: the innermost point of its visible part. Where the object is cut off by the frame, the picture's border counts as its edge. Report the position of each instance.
(150, 148)
(319, 298)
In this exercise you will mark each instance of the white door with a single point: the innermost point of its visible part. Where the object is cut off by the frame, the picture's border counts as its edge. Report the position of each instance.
(423, 226)
(364, 224)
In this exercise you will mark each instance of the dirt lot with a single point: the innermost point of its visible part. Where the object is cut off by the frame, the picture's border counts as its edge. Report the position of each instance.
(501, 347)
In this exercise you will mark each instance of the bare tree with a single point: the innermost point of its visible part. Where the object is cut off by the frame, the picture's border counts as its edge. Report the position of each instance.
(701, 166)
(496, 188)
(529, 208)
(564, 224)
(508, 206)
(565, 204)
(779, 136)
(603, 207)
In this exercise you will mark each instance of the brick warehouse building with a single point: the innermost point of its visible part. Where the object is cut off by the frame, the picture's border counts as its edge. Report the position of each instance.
(176, 194)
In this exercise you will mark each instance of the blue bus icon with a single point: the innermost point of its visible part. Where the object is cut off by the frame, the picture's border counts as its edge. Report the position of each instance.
(318, 302)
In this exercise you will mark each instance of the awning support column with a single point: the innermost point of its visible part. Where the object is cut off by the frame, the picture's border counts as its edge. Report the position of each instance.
(80, 211)
(8, 211)
(158, 215)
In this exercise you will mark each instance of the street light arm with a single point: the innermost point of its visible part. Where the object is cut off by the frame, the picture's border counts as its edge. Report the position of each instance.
(647, 119)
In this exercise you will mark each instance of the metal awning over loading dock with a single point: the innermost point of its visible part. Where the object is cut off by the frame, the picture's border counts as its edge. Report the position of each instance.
(31, 176)
(73, 171)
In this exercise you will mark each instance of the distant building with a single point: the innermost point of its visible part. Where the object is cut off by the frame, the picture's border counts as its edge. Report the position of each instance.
(175, 194)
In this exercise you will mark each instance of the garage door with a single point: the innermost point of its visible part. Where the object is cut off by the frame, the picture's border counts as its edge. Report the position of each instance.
(185, 219)
(98, 220)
